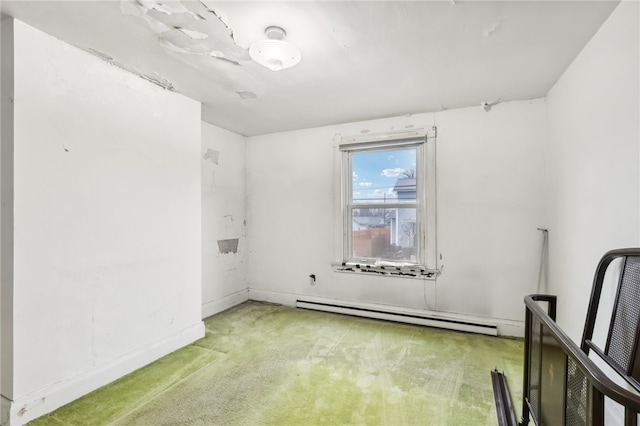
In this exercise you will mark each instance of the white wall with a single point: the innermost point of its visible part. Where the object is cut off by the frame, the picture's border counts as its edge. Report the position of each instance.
(223, 218)
(6, 215)
(489, 205)
(107, 252)
(592, 157)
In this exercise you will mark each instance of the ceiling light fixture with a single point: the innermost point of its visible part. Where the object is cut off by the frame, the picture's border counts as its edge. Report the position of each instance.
(275, 53)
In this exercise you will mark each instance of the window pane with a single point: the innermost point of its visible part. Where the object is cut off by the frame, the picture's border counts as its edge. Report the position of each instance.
(388, 234)
(387, 176)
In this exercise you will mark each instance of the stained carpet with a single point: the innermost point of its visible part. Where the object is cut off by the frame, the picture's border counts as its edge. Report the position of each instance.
(262, 364)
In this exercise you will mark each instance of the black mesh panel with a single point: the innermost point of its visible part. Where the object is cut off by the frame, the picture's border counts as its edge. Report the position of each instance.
(625, 321)
(576, 408)
(534, 378)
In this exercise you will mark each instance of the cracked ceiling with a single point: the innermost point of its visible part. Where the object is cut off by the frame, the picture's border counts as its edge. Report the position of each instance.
(360, 60)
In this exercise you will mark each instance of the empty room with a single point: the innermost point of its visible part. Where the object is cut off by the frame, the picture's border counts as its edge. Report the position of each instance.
(319, 212)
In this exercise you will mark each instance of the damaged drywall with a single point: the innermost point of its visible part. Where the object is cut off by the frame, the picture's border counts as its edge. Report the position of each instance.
(211, 155)
(228, 246)
(190, 28)
(224, 251)
(211, 160)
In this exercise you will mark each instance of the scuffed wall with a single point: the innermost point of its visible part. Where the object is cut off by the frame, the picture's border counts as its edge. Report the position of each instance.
(224, 239)
(489, 191)
(107, 255)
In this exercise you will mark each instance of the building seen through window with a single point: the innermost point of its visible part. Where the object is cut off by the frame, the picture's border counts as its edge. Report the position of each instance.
(384, 205)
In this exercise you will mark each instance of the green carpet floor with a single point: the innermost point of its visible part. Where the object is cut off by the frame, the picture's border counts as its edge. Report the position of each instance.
(262, 364)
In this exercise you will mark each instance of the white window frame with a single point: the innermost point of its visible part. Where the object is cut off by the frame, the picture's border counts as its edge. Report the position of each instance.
(425, 265)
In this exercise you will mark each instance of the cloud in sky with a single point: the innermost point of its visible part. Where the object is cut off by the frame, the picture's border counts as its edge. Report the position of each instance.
(365, 183)
(355, 176)
(393, 172)
(389, 193)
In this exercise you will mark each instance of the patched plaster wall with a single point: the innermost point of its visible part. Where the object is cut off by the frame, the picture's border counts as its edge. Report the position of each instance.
(224, 238)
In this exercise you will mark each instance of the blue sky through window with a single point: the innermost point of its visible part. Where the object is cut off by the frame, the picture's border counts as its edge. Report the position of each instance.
(375, 173)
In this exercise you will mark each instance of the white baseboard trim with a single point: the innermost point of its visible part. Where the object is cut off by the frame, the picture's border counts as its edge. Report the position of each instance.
(505, 327)
(216, 306)
(287, 299)
(38, 403)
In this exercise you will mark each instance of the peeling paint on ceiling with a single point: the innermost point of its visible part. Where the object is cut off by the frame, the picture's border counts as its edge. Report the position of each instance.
(190, 28)
(247, 95)
(362, 59)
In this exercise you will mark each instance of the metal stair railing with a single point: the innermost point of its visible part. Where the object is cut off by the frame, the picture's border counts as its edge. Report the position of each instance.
(562, 385)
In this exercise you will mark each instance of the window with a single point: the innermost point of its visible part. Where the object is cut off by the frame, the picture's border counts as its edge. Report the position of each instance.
(388, 214)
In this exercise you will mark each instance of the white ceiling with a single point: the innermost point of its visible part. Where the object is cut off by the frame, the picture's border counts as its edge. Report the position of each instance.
(360, 59)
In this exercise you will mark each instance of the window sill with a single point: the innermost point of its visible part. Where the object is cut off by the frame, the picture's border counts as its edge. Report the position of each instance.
(400, 270)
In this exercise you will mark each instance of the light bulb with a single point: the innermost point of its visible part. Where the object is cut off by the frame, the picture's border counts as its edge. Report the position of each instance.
(274, 64)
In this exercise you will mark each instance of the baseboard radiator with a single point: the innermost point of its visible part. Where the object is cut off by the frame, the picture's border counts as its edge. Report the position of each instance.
(403, 317)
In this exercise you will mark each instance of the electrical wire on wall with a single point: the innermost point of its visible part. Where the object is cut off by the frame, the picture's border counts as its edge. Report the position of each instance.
(542, 272)
(435, 294)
